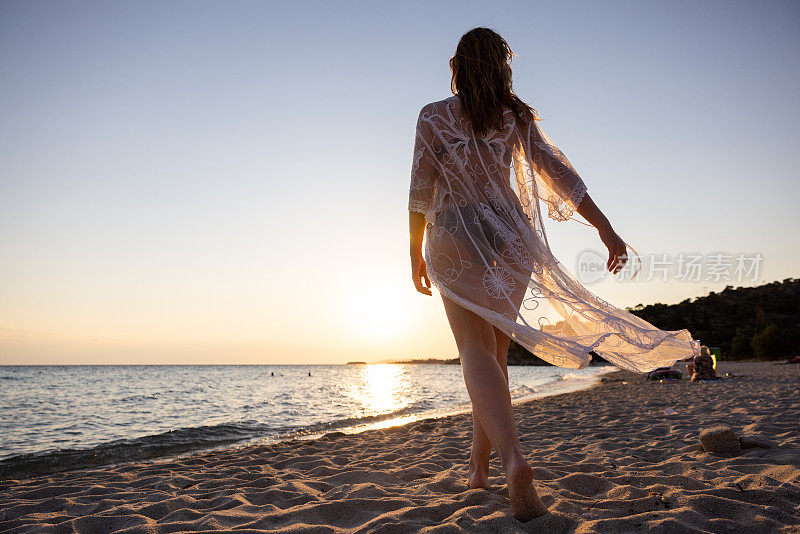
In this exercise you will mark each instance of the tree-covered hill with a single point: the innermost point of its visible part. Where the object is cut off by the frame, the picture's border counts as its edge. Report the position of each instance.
(760, 322)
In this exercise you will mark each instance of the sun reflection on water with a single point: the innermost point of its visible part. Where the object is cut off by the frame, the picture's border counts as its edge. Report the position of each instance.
(383, 388)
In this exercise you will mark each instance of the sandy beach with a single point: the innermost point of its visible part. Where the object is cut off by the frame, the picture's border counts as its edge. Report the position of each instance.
(623, 456)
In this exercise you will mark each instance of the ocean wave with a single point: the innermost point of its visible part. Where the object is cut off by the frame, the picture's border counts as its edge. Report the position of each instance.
(522, 391)
(179, 441)
(576, 376)
(140, 398)
(141, 448)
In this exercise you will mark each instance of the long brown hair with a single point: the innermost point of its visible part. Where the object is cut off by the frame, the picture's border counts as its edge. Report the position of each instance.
(482, 81)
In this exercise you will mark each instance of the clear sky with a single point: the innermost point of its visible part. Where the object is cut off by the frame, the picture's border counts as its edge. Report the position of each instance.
(227, 182)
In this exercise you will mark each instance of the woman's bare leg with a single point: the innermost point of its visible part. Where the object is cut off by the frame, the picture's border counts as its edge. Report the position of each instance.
(478, 472)
(488, 390)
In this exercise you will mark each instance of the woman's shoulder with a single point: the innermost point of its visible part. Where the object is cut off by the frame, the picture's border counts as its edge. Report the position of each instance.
(439, 105)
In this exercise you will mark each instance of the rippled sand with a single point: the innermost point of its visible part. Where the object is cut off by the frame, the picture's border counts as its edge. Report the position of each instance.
(608, 459)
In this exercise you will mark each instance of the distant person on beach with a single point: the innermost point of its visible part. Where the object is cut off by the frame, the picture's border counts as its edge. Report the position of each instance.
(701, 367)
(487, 253)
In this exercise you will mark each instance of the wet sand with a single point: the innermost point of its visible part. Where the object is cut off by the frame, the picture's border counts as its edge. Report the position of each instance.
(614, 458)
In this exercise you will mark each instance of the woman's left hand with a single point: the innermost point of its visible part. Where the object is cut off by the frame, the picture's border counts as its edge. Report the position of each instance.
(419, 273)
(617, 251)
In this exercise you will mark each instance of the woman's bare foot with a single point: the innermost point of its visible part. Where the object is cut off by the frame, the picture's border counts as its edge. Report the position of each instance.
(525, 501)
(478, 474)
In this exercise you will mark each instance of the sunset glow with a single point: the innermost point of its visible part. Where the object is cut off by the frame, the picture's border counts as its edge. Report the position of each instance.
(380, 311)
(164, 201)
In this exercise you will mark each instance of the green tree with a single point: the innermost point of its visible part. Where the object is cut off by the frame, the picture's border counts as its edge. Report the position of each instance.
(767, 343)
(742, 344)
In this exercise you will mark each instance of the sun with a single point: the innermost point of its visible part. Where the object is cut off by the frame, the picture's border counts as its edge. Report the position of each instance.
(379, 310)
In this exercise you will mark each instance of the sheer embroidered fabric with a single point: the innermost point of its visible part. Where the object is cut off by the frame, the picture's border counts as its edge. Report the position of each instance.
(486, 247)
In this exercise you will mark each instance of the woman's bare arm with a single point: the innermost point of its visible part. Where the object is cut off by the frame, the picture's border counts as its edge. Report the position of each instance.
(416, 229)
(617, 253)
(419, 271)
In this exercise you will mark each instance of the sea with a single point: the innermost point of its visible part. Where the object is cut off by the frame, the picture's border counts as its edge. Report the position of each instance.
(56, 418)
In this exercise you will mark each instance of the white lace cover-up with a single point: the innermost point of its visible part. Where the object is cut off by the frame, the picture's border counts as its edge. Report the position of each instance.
(486, 247)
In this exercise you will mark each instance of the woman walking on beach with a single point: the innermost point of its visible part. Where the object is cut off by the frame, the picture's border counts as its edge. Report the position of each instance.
(487, 253)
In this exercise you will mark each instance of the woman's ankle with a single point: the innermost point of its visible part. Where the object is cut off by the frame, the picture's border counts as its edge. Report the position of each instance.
(479, 455)
(512, 460)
